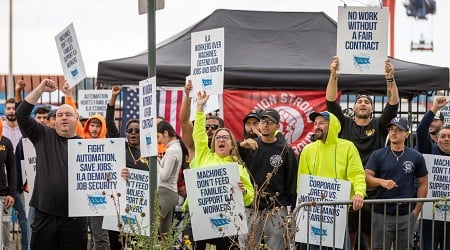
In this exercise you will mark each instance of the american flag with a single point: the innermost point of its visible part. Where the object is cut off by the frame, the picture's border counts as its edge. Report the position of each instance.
(168, 104)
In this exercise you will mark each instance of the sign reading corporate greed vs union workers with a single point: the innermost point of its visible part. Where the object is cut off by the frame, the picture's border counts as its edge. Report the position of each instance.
(362, 39)
(207, 61)
(321, 221)
(70, 56)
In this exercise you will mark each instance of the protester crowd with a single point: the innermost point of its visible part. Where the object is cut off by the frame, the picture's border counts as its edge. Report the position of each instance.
(370, 152)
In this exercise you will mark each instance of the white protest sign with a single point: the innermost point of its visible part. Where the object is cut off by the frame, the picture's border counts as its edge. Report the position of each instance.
(216, 204)
(70, 55)
(207, 61)
(29, 164)
(362, 39)
(94, 175)
(314, 188)
(136, 217)
(147, 117)
(438, 167)
(91, 102)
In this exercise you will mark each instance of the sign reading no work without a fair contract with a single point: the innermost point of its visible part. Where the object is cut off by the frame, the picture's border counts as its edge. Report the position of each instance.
(70, 55)
(362, 39)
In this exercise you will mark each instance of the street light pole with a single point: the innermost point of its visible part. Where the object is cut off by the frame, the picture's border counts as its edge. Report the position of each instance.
(151, 9)
(10, 85)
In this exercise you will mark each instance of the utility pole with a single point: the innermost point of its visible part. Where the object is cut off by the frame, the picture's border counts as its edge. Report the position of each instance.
(10, 84)
(391, 5)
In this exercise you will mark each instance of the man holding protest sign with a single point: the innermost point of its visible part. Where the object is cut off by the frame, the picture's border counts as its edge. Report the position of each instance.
(366, 132)
(52, 228)
(333, 157)
(393, 170)
(441, 146)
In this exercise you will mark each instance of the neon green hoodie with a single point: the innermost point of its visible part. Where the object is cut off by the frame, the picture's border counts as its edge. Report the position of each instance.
(336, 158)
(204, 157)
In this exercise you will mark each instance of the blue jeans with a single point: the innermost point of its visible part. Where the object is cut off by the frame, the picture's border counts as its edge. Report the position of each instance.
(22, 217)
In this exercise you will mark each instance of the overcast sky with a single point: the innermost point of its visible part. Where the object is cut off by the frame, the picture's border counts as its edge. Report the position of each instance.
(109, 29)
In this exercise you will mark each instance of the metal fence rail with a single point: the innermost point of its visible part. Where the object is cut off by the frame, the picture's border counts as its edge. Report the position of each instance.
(438, 204)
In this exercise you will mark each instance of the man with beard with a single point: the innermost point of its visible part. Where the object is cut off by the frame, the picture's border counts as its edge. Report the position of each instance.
(436, 125)
(367, 133)
(251, 124)
(11, 127)
(333, 157)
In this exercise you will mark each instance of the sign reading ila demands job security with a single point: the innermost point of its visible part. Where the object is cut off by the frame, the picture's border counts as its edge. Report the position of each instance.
(134, 215)
(147, 117)
(216, 204)
(91, 102)
(70, 56)
(438, 167)
(314, 188)
(362, 39)
(94, 175)
(207, 61)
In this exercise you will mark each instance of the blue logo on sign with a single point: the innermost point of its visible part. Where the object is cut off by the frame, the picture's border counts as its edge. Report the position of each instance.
(128, 220)
(74, 72)
(316, 231)
(206, 82)
(361, 62)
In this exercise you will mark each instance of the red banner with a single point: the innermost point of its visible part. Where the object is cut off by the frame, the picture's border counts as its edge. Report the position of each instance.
(294, 108)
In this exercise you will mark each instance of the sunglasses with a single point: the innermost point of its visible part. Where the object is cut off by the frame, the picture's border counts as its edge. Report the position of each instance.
(211, 126)
(131, 130)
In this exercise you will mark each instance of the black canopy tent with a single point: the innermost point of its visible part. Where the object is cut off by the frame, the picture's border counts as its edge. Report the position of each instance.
(270, 50)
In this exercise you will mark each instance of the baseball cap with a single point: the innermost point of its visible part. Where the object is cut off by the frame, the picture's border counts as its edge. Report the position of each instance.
(324, 114)
(272, 114)
(400, 122)
(439, 116)
(52, 113)
(253, 114)
(364, 96)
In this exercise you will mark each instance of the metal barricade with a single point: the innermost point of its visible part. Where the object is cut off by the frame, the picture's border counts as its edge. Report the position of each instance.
(414, 231)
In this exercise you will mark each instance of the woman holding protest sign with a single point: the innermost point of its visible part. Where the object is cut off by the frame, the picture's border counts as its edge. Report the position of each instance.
(223, 150)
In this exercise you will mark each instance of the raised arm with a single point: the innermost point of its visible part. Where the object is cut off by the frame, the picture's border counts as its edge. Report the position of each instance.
(332, 86)
(112, 131)
(186, 125)
(20, 86)
(46, 85)
(391, 85)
